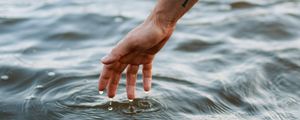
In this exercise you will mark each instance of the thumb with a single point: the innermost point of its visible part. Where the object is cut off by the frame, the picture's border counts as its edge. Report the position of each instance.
(108, 59)
(115, 55)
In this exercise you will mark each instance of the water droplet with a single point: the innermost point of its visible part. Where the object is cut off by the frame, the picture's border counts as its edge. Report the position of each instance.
(100, 92)
(110, 104)
(51, 73)
(110, 108)
(147, 94)
(4, 77)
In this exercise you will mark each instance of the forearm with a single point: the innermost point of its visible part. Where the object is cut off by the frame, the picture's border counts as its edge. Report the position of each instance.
(167, 12)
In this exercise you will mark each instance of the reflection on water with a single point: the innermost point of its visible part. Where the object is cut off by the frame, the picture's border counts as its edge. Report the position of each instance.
(238, 60)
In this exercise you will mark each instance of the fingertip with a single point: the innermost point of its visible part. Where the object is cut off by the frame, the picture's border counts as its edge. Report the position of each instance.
(146, 89)
(147, 84)
(130, 96)
(113, 85)
(111, 92)
(101, 86)
(110, 95)
(147, 76)
(103, 79)
(101, 90)
(130, 92)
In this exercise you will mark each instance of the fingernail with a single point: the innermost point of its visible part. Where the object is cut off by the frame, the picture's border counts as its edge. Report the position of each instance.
(100, 92)
(104, 58)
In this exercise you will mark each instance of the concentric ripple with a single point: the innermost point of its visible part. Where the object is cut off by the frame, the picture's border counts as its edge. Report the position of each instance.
(78, 96)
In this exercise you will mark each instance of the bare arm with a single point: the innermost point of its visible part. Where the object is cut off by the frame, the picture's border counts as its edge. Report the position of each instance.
(168, 12)
(139, 47)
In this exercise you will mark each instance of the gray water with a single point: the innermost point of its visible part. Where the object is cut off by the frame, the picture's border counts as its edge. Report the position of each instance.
(227, 60)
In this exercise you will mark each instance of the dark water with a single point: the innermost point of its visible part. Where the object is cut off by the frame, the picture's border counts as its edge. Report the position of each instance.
(226, 60)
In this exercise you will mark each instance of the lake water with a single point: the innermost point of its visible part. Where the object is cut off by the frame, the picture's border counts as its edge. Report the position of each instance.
(227, 60)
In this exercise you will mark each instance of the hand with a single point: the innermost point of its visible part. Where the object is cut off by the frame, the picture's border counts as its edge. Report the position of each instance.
(138, 47)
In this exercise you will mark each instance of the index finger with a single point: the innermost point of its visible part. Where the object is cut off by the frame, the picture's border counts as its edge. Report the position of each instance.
(104, 77)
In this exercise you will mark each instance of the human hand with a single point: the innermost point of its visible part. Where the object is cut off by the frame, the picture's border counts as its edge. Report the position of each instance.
(137, 48)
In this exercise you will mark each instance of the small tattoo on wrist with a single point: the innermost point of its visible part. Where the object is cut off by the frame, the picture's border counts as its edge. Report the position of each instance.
(184, 3)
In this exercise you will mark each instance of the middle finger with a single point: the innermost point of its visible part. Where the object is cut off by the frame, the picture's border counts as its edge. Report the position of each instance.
(115, 78)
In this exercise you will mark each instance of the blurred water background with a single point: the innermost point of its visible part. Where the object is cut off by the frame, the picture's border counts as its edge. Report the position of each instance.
(227, 60)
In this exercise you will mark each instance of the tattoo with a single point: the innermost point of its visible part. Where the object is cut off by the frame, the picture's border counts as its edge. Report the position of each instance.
(185, 2)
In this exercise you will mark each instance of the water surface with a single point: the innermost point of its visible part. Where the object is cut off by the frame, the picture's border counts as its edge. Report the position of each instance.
(227, 60)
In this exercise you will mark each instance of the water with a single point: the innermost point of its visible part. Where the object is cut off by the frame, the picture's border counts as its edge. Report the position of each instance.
(227, 60)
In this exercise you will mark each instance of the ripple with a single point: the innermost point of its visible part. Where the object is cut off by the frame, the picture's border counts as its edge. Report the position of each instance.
(11, 21)
(68, 36)
(238, 63)
(195, 45)
(77, 97)
(241, 5)
(265, 28)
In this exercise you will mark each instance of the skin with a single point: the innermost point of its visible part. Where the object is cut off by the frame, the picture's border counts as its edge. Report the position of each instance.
(139, 47)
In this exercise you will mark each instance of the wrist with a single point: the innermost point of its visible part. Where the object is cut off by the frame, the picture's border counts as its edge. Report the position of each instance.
(161, 21)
